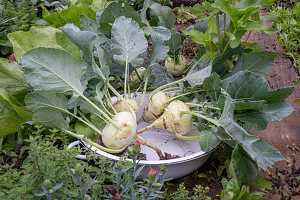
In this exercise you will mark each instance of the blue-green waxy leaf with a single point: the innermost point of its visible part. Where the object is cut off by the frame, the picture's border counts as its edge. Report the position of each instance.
(197, 77)
(51, 118)
(112, 12)
(88, 24)
(54, 70)
(162, 16)
(212, 86)
(160, 75)
(12, 114)
(85, 40)
(12, 79)
(208, 140)
(146, 5)
(260, 62)
(159, 52)
(244, 169)
(158, 32)
(128, 42)
(46, 99)
(251, 86)
(258, 150)
(259, 119)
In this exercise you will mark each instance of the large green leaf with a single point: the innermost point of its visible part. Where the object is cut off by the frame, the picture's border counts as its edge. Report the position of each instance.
(128, 42)
(219, 64)
(212, 85)
(46, 99)
(197, 77)
(160, 75)
(48, 37)
(229, 9)
(88, 24)
(261, 152)
(54, 70)
(245, 4)
(51, 118)
(112, 12)
(69, 15)
(85, 40)
(146, 5)
(259, 62)
(49, 108)
(162, 16)
(244, 169)
(12, 78)
(12, 114)
(175, 43)
(158, 32)
(258, 119)
(208, 140)
(159, 52)
(250, 86)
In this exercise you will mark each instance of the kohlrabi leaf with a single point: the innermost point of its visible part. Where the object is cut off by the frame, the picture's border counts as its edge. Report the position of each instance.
(48, 37)
(258, 119)
(146, 5)
(229, 9)
(83, 129)
(161, 16)
(261, 152)
(160, 75)
(175, 43)
(12, 78)
(54, 70)
(251, 86)
(128, 42)
(85, 40)
(88, 24)
(112, 12)
(69, 15)
(208, 140)
(46, 99)
(197, 77)
(12, 114)
(159, 52)
(219, 64)
(212, 86)
(50, 118)
(244, 169)
(245, 4)
(258, 62)
(158, 32)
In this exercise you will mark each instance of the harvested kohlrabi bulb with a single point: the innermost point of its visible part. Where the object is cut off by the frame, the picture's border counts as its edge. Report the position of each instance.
(120, 106)
(118, 137)
(155, 106)
(173, 120)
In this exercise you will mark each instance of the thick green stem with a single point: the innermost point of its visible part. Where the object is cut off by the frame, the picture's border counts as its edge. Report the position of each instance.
(166, 85)
(178, 96)
(126, 74)
(82, 137)
(202, 106)
(215, 122)
(170, 89)
(187, 137)
(144, 92)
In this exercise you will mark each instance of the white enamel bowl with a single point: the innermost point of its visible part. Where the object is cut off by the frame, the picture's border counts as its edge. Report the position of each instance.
(191, 156)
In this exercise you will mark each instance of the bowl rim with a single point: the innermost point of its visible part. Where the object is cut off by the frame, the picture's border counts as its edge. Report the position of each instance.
(152, 162)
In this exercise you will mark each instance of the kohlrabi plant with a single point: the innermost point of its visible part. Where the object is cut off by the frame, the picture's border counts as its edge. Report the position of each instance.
(221, 28)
